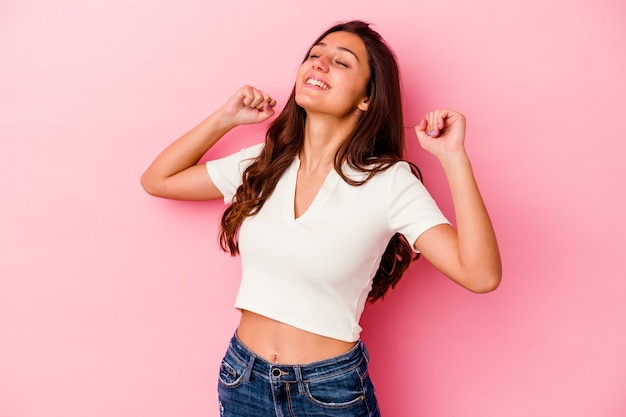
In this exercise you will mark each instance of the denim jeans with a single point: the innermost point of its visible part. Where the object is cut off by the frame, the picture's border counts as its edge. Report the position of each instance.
(337, 387)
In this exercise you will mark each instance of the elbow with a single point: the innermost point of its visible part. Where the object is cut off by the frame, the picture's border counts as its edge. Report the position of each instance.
(486, 287)
(486, 282)
(480, 280)
(149, 185)
(484, 278)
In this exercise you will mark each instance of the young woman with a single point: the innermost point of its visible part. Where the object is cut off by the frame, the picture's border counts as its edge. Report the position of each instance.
(326, 216)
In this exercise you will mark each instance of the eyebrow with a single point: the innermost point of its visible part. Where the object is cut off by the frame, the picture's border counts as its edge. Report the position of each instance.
(341, 48)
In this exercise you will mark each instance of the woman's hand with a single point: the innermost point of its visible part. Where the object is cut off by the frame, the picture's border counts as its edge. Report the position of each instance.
(442, 132)
(248, 105)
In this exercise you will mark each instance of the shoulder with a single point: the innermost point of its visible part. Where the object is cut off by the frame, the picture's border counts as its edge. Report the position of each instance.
(239, 158)
(251, 151)
(400, 170)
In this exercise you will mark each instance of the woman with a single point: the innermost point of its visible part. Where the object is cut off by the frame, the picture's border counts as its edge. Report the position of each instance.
(326, 216)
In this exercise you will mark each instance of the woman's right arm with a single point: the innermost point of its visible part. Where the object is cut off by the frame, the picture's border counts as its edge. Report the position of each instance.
(175, 173)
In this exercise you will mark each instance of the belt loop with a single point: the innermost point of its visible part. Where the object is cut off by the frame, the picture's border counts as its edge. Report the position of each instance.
(248, 370)
(364, 351)
(298, 372)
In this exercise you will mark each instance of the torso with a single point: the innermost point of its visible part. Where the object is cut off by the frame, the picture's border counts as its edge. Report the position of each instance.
(312, 269)
(278, 342)
(308, 257)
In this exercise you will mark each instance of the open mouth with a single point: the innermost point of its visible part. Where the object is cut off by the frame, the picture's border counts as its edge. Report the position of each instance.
(317, 83)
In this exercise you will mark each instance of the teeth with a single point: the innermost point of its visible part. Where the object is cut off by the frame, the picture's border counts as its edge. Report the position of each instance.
(317, 83)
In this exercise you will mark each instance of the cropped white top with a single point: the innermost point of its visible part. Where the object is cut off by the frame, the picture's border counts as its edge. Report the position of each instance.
(314, 272)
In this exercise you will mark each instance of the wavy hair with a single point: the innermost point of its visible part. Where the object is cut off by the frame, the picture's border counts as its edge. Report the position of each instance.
(376, 143)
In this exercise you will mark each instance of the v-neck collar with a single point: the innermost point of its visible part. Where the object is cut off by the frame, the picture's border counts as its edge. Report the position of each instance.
(322, 196)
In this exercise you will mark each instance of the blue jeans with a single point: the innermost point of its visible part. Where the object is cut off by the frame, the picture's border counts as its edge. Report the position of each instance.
(337, 387)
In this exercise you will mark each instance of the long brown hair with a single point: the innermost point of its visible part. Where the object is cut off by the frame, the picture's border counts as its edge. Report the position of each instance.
(376, 143)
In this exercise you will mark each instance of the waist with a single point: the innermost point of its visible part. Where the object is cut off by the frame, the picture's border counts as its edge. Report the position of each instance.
(356, 357)
(277, 342)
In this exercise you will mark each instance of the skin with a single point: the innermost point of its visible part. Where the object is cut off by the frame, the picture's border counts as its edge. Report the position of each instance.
(468, 255)
(340, 62)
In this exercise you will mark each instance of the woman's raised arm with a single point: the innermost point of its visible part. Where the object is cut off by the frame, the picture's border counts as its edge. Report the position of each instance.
(175, 173)
(468, 255)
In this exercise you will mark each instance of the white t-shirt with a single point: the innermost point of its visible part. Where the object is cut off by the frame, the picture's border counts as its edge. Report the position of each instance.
(315, 272)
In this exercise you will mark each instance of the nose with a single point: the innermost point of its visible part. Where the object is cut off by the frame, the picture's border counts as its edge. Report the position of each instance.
(320, 63)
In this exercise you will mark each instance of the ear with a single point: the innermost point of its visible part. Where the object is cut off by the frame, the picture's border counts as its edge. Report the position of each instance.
(363, 104)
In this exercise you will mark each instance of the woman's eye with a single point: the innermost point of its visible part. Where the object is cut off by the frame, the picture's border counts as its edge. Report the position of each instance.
(343, 64)
(313, 56)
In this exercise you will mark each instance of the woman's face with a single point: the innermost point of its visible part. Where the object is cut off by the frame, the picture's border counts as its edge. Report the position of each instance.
(333, 79)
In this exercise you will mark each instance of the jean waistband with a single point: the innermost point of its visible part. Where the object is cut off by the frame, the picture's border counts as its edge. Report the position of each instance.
(355, 357)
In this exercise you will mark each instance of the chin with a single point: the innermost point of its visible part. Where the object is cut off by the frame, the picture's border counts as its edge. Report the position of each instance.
(304, 102)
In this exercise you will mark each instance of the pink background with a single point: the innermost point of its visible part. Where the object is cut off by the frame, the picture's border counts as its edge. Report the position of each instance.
(114, 303)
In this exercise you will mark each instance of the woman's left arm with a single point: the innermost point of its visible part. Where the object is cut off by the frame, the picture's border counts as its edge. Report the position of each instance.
(468, 255)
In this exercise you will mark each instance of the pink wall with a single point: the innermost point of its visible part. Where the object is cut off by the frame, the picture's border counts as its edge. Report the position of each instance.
(113, 303)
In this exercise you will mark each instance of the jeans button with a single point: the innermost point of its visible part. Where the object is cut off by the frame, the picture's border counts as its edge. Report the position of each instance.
(276, 372)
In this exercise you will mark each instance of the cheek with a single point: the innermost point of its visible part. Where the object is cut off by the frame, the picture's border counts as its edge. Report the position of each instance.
(302, 69)
(358, 88)
(366, 81)
(299, 76)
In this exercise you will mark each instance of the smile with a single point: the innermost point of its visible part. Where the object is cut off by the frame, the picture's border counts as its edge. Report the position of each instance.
(317, 83)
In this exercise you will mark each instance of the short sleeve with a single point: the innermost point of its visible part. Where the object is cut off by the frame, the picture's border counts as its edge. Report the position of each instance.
(412, 210)
(226, 173)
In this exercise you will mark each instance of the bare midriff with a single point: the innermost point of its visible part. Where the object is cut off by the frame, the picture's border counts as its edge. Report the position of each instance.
(278, 342)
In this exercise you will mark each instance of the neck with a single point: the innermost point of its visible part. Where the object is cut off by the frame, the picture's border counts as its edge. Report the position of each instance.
(322, 138)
